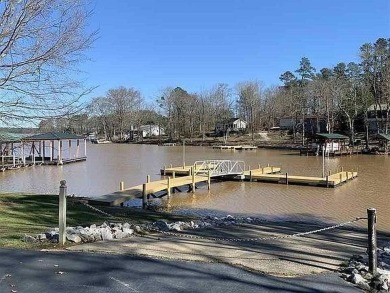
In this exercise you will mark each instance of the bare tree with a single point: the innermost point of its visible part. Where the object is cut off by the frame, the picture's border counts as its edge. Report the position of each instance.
(41, 44)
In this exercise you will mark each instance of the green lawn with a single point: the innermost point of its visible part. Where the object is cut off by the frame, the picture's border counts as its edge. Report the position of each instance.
(32, 214)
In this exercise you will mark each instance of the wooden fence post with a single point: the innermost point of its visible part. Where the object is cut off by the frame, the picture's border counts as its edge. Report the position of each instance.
(62, 212)
(372, 244)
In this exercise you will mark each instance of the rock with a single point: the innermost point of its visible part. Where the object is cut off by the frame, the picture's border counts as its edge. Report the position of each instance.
(161, 225)
(128, 231)
(41, 237)
(29, 239)
(119, 234)
(126, 226)
(106, 233)
(176, 227)
(93, 226)
(73, 238)
(138, 229)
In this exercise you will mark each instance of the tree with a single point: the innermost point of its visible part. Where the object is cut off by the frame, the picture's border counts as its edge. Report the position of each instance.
(41, 44)
(306, 72)
(375, 61)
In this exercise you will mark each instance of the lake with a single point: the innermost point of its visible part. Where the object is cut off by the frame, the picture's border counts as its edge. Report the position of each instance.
(108, 164)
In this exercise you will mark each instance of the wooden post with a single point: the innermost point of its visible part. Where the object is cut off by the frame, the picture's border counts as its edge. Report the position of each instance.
(165, 173)
(193, 181)
(342, 169)
(250, 175)
(144, 196)
(262, 170)
(267, 165)
(272, 169)
(147, 178)
(286, 178)
(341, 177)
(169, 187)
(43, 151)
(346, 174)
(62, 212)
(259, 166)
(208, 180)
(372, 244)
(173, 174)
(121, 186)
(329, 173)
(327, 181)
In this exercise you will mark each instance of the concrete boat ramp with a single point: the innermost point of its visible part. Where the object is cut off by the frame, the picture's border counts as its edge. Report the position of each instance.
(205, 172)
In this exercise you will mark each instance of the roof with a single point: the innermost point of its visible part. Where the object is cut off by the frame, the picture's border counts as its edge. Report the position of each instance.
(378, 107)
(331, 136)
(11, 137)
(384, 136)
(53, 136)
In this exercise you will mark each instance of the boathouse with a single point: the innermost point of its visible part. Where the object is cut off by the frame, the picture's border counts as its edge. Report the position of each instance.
(331, 143)
(53, 148)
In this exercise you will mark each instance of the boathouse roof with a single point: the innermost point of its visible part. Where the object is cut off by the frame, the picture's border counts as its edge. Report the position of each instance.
(384, 136)
(331, 136)
(53, 136)
(11, 137)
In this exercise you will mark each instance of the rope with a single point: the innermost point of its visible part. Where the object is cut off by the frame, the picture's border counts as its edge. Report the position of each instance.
(96, 209)
(259, 238)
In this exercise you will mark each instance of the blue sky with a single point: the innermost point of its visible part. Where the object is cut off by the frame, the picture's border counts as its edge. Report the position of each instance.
(152, 44)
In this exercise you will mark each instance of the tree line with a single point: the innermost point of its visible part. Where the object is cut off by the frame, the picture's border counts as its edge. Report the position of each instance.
(335, 97)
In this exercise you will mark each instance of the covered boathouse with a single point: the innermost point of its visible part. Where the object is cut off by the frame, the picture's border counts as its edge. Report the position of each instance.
(333, 144)
(54, 148)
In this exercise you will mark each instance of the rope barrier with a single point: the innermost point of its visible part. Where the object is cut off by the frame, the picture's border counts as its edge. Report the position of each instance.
(258, 238)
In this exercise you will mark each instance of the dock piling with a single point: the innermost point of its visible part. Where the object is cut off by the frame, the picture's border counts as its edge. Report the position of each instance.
(144, 196)
(169, 187)
(250, 175)
(173, 174)
(193, 180)
(286, 178)
(147, 178)
(121, 186)
(208, 180)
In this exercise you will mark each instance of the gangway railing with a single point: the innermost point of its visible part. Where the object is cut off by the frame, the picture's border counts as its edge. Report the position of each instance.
(219, 167)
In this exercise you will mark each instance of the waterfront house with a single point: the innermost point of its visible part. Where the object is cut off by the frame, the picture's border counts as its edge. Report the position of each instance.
(231, 125)
(377, 117)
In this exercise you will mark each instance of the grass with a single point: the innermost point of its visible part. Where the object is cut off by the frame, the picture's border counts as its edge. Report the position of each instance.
(32, 214)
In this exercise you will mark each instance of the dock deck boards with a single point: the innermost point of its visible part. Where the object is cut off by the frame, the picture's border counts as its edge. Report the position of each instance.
(263, 174)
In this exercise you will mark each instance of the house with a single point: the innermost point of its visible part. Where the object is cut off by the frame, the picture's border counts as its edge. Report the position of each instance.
(145, 131)
(231, 125)
(377, 113)
(151, 130)
(313, 124)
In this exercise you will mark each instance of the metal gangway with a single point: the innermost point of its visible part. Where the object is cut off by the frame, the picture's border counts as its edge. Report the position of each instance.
(219, 167)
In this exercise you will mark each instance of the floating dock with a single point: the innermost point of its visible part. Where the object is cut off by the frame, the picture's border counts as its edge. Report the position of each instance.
(235, 147)
(205, 171)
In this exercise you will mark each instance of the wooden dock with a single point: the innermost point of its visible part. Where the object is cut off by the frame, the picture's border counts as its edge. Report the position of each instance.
(189, 176)
(235, 147)
(332, 180)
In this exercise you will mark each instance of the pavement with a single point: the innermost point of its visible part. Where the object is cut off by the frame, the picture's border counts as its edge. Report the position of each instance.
(291, 257)
(64, 271)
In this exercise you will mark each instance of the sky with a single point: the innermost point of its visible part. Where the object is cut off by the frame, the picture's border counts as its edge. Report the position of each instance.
(195, 44)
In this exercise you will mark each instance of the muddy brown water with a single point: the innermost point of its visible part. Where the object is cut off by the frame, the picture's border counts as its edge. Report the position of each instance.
(108, 164)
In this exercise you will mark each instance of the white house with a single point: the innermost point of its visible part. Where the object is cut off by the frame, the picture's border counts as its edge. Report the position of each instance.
(232, 124)
(151, 130)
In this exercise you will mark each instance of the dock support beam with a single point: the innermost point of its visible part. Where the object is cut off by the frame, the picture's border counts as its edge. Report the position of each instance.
(193, 179)
(169, 187)
(372, 244)
(208, 180)
(144, 196)
(62, 213)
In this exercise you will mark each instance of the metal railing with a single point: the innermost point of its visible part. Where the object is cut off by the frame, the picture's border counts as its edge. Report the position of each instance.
(219, 167)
